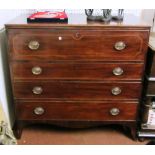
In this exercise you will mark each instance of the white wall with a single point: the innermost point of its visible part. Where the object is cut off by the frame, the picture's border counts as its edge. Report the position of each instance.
(5, 98)
(5, 89)
(148, 15)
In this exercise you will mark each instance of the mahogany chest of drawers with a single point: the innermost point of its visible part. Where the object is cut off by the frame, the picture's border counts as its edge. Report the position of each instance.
(77, 74)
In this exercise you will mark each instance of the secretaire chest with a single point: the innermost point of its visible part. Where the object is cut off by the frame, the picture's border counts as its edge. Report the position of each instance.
(89, 72)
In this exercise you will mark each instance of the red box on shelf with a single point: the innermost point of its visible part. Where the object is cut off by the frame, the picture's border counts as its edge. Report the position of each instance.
(47, 16)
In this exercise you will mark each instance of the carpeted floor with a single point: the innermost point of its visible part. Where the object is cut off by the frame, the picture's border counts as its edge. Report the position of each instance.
(47, 134)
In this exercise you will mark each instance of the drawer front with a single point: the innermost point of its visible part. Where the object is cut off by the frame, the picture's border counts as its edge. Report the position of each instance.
(77, 44)
(77, 71)
(76, 111)
(77, 90)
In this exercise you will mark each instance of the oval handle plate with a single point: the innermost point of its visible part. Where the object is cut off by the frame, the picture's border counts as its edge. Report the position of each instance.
(36, 70)
(39, 110)
(116, 91)
(33, 45)
(118, 71)
(114, 111)
(120, 45)
(37, 90)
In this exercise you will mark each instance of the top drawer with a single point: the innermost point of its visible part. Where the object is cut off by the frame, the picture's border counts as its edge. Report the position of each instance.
(54, 44)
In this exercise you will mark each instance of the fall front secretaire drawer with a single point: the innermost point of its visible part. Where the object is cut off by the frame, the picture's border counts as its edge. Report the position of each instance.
(77, 44)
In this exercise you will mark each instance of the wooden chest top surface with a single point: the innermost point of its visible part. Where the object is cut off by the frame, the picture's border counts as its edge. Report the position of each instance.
(80, 20)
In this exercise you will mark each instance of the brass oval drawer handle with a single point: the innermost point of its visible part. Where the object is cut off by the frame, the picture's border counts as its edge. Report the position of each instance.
(39, 110)
(114, 111)
(37, 90)
(33, 45)
(120, 45)
(116, 91)
(36, 70)
(118, 71)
